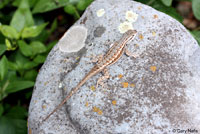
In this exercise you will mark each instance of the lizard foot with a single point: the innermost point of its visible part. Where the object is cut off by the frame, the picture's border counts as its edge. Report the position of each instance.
(103, 78)
(128, 53)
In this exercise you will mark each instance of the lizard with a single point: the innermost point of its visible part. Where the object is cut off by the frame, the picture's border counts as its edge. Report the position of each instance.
(112, 56)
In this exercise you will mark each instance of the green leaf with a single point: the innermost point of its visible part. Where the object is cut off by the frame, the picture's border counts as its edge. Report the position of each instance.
(6, 127)
(39, 59)
(2, 38)
(17, 112)
(20, 126)
(2, 49)
(9, 45)
(9, 32)
(28, 95)
(33, 31)
(70, 9)
(196, 35)
(12, 66)
(83, 4)
(167, 2)
(31, 2)
(11, 76)
(54, 25)
(18, 61)
(16, 86)
(4, 3)
(3, 67)
(16, 3)
(47, 5)
(25, 48)
(18, 21)
(51, 45)
(88, 2)
(2, 96)
(22, 17)
(73, 1)
(34, 48)
(37, 47)
(43, 37)
(1, 110)
(196, 8)
(12, 126)
(30, 65)
(31, 75)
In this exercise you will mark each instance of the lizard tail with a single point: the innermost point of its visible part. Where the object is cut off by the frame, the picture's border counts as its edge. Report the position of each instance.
(58, 107)
(73, 91)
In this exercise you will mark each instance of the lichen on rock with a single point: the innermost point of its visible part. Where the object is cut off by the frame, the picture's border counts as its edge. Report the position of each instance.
(155, 92)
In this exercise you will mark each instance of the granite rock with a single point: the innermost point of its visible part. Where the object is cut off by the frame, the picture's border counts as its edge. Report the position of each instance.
(158, 91)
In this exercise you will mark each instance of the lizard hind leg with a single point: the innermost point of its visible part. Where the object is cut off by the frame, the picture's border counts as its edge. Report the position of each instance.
(103, 78)
(98, 58)
(95, 59)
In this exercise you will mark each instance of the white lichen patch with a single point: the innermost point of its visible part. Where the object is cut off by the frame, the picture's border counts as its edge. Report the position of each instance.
(131, 16)
(125, 26)
(100, 12)
(60, 85)
(73, 40)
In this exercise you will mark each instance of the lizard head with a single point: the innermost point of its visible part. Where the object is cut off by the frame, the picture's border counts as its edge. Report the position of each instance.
(130, 35)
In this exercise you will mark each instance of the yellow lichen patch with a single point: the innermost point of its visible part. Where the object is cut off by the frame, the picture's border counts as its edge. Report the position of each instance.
(46, 83)
(132, 85)
(136, 45)
(131, 16)
(93, 88)
(65, 88)
(100, 112)
(77, 58)
(29, 131)
(44, 106)
(35, 101)
(141, 36)
(142, 17)
(100, 12)
(155, 16)
(125, 26)
(125, 84)
(154, 33)
(153, 68)
(139, 8)
(142, 78)
(120, 76)
(97, 110)
(114, 102)
(86, 104)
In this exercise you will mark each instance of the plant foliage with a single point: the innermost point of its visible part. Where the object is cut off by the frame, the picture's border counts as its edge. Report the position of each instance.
(24, 44)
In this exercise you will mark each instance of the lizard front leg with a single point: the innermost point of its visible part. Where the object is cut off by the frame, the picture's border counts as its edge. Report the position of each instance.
(103, 78)
(128, 53)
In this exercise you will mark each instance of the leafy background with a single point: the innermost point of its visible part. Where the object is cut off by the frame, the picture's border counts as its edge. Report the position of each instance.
(28, 31)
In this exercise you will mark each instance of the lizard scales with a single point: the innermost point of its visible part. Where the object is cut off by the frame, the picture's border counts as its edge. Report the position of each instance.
(110, 58)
